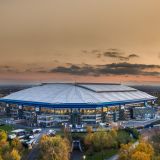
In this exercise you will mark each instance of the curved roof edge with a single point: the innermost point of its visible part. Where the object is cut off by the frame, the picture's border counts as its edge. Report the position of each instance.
(75, 105)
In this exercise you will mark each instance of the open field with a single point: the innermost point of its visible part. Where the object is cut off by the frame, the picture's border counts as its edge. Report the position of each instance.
(99, 155)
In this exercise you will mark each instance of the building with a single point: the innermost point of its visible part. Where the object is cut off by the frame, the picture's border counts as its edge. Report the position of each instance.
(82, 103)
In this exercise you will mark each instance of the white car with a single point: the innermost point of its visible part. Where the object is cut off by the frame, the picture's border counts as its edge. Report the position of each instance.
(37, 130)
(12, 136)
(51, 131)
(20, 133)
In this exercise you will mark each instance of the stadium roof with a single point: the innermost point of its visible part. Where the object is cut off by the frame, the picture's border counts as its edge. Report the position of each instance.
(61, 93)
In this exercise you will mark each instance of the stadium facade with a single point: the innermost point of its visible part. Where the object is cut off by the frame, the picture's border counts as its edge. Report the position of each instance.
(82, 103)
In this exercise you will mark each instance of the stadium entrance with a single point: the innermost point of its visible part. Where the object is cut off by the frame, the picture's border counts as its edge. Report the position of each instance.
(75, 118)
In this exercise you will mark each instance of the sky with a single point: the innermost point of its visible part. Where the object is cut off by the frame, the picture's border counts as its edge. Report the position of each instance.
(80, 40)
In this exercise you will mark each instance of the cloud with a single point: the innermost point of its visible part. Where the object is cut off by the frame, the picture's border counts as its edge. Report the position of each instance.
(124, 69)
(95, 51)
(117, 54)
(75, 70)
(8, 69)
(111, 53)
(133, 56)
(109, 69)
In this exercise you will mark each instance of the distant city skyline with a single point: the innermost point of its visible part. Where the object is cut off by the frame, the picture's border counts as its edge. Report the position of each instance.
(83, 41)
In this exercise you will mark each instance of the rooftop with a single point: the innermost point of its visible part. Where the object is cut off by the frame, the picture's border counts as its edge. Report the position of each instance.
(82, 93)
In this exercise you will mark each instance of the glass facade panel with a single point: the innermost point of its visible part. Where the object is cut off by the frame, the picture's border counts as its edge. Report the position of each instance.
(98, 110)
(28, 108)
(88, 111)
(13, 106)
(47, 110)
(62, 111)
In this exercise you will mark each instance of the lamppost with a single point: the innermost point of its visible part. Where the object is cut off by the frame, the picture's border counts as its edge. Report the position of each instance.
(84, 157)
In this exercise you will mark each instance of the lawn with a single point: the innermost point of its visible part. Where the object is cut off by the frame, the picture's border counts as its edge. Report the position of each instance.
(6, 128)
(101, 156)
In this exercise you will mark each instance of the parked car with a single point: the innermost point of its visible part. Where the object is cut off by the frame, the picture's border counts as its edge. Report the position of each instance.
(20, 133)
(51, 132)
(28, 142)
(37, 130)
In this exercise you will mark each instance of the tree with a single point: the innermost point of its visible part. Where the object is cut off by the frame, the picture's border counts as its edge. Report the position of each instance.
(17, 144)
(145, 147)
(13, 155)
(155, 141)
(54, 148)
(125, 151)
(134, 132)
(1, 157)
(123, 137)
(7, 151)
(140, 156)
(143, 151)
(3, 135)
(89, 129)
(100, 140)
(88, 139)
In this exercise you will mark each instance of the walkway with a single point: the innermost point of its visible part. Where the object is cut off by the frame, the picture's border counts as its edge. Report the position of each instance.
(76, 155)
(116, 156)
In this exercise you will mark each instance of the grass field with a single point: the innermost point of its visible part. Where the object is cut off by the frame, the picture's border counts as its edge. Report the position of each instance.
(102, 155)
(6, 128)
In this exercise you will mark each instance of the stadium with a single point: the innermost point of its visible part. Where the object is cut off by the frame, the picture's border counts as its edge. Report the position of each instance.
(51, 104)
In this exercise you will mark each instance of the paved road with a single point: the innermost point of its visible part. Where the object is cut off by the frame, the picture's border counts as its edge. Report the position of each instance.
(115, 157)
(76, 155)
(34, 153)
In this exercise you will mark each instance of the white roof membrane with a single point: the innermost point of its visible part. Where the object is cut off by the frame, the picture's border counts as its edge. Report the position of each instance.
(71, 93)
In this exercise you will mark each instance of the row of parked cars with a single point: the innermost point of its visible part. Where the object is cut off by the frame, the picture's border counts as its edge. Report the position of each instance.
(28, 138)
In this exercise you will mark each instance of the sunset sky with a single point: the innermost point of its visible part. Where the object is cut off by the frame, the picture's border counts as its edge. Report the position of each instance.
(80, 40)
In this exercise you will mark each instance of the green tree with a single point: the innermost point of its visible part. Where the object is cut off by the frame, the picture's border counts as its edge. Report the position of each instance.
(123, 137)
(100, 140)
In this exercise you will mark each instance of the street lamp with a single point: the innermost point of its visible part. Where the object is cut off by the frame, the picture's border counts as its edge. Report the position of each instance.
(84, 157)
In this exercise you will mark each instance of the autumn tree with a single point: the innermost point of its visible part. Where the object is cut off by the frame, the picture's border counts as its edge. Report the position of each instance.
(126, 151)
(13, 155)
(140, 156)
(3, 135)
(142, 151)
(146, 148)
(1, 157)
(89, 129)
(4, 145)
(54, 148)
(17, 144)
(7, 151)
